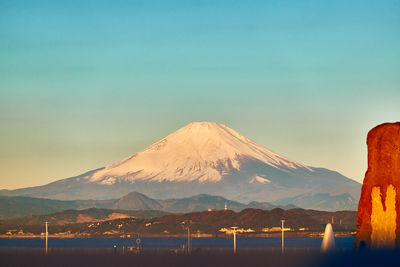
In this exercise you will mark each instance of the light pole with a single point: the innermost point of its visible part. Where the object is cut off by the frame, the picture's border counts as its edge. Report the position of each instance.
(234, 238)
(283, 236)
(47, 234)
(187, 225)
(188, 239)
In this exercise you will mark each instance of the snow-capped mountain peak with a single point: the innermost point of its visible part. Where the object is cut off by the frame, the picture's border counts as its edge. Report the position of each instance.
(202, 151)
(207, 158)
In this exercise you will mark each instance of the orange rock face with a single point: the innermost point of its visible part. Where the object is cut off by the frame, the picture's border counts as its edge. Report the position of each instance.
(378, 218)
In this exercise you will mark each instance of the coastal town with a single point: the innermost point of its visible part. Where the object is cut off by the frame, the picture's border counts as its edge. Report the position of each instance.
(214, 223)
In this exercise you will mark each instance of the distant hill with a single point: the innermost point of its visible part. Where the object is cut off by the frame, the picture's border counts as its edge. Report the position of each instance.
(14, 207)
(135, 200)
(322, 201)
(256, 219)
(209, 222)
(84, 216)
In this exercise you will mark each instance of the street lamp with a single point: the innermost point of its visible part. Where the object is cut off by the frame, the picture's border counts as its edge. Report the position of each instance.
(47, 234)
(283, 236)
(187, 225)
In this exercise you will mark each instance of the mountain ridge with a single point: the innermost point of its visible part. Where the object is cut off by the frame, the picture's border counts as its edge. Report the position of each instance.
(14, 207)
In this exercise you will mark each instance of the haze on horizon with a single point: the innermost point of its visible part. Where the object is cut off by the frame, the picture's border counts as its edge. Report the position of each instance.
(84, 84)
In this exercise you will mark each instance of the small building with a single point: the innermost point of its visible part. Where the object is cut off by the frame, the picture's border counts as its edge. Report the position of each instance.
(239, 230)
(11, 232)
(276, 229)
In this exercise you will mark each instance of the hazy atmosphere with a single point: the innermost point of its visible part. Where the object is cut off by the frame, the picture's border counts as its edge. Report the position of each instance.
(84, 84)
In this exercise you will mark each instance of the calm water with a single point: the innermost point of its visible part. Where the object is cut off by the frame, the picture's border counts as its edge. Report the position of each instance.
(342, 243)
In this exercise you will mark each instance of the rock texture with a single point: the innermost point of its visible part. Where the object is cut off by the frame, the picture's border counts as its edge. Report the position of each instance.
(378, 219)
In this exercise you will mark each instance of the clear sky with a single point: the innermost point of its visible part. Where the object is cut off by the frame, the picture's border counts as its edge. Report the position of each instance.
(84, 83)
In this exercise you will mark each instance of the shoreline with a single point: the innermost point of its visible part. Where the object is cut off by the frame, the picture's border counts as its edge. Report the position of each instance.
(255, 235)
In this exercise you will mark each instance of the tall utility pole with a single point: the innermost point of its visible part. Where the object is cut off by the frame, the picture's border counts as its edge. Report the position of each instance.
(188, 240)
(283, 236)
(47, 234)
(187, 225)
(234, 238)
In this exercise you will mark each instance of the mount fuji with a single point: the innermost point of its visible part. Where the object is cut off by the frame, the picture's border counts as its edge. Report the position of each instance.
(202, 158)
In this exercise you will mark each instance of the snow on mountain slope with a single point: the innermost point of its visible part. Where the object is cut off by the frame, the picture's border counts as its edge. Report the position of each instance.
(202, 151)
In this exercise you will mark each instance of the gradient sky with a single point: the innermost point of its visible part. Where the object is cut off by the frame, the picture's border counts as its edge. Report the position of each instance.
(84, 84)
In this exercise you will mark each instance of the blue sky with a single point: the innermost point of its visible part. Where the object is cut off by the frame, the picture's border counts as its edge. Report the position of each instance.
(86, 83)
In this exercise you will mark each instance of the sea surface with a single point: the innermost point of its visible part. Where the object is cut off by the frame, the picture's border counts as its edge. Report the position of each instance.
(342, 243)
(299, 252)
